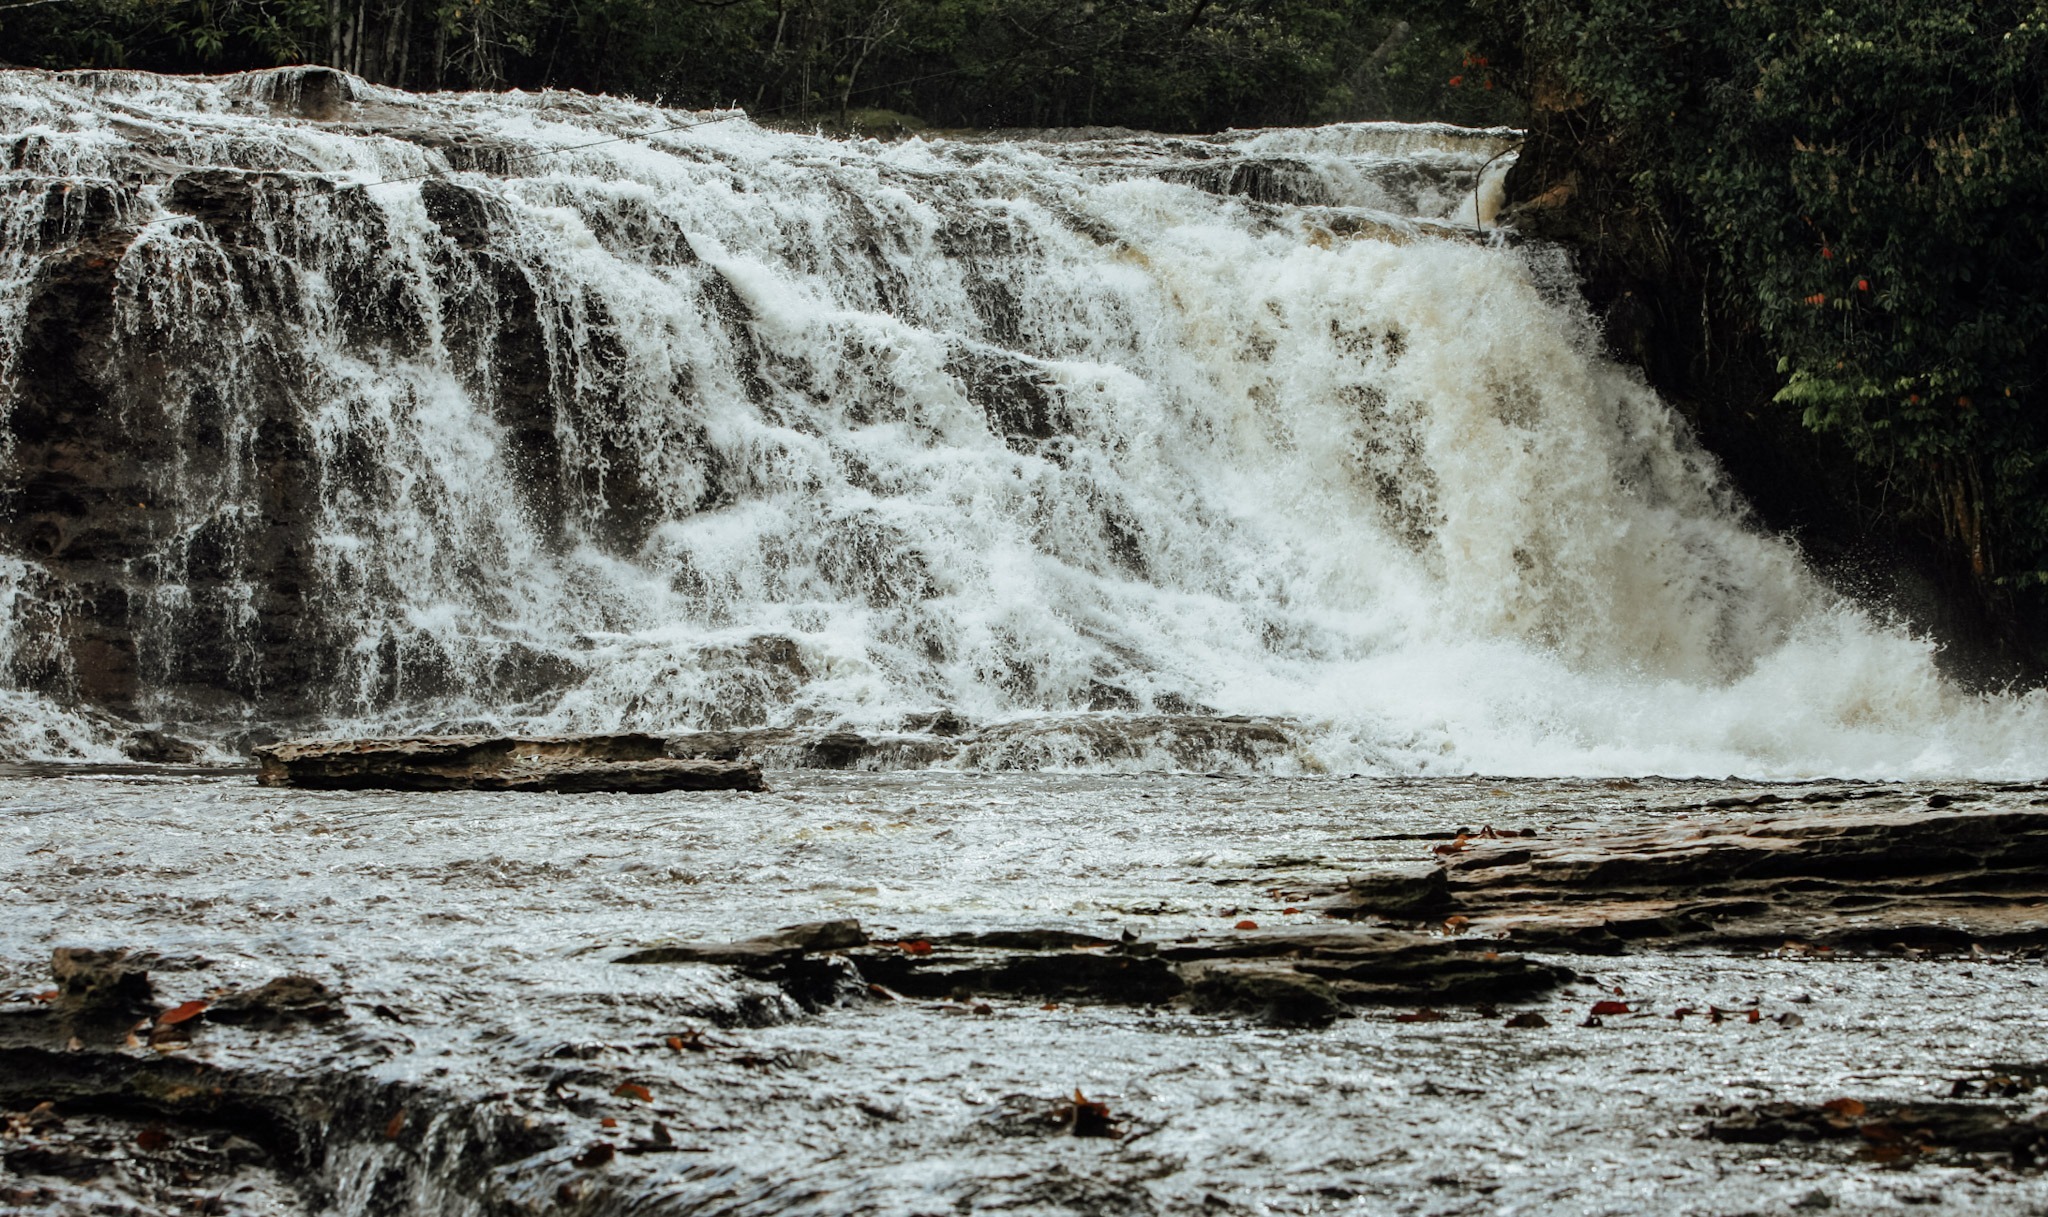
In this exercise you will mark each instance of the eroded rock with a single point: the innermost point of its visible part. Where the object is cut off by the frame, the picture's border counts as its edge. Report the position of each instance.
(1919, 878)
(625, 762)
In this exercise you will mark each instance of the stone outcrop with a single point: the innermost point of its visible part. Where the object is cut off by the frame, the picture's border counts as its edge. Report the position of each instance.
(1290, 977)
(1943, 877)
(626, 762)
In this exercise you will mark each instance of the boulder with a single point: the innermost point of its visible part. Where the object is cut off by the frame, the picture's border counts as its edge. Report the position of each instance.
(624, 762)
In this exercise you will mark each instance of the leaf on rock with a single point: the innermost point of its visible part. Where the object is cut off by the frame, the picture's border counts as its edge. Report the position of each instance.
(634, 1090)
(182, 1013)
(1086, 1118)
(1247, 925)
(608, 1122)
(916, 947)
(1845, 1107)
(395, 1126)
(1604, 1008)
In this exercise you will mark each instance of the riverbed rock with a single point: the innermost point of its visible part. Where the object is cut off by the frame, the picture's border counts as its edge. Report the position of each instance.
(1935, 878)
(1290, 978)
(570, 764)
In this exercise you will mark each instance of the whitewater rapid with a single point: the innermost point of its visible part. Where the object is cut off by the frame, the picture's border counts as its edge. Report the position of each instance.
(690, 423)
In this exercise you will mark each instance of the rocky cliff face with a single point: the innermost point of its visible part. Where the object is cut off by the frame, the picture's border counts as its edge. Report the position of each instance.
(334, 408)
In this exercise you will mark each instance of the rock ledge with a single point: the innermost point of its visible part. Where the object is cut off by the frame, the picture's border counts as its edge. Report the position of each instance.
(570, 764)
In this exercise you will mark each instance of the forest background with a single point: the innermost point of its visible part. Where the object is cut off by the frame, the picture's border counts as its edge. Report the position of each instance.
(1817, 226)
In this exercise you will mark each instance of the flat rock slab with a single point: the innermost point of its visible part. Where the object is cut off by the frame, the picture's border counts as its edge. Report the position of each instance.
(1922, 879)
(571, 764)
(1291, 978)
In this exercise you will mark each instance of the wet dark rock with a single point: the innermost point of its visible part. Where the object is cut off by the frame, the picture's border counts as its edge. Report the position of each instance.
(100, 984)
(1270, 992)
(1306, 978)
(628, 763)
(1897, 1132)
(1915, 878)
(279, 1003)
(157, 748)
(786, 943)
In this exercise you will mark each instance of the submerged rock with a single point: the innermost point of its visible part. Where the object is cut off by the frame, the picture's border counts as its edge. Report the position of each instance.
(570, 764)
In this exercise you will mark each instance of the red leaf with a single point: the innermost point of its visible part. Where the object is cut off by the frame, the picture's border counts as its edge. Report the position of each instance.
(178, 1014)
(634, 1090)
(397, 1125)
(1611, 1007)
(47, 996)
(1756, 1016)
(608, 1122)
(917, 947)
(1247, 925)
(1846, 1107)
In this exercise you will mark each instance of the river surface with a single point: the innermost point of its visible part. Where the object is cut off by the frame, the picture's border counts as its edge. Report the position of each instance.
(487, 923)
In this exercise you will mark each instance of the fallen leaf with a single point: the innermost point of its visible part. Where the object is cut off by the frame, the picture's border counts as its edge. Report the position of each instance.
(1601, 1008)
(916, 947)
(1846, 1107)
(1051, 1005)
(1289, 911)
(48, 995)
(608, 1122)
(1247, 925)
(598, 1153)
(1457, 922)
(152, 1139)
(180, 1013)
(395, 1126)
(1756, 1016)
(1423, 1015)
(1086, 1118)
(1528, 1018)
(634, 1090)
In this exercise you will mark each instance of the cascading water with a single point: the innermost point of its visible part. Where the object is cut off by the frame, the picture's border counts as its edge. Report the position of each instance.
(331, 407)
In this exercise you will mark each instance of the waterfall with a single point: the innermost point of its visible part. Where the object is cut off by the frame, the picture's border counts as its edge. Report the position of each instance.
(334, 408)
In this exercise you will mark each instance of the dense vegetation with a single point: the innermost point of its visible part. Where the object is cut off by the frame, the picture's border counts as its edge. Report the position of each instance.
(1866, 180)
(1854, 186)
(1164, 64)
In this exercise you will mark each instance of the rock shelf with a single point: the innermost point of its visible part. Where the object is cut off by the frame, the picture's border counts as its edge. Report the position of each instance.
(1946, 877)
(569, 764)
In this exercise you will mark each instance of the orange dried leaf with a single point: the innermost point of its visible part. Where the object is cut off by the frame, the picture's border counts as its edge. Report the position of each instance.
(395, 1126)
(1846, 1107)
(180, 1013)
(608, 1122)
(1247, 925)
(48, 995)
(1603, 1008)
(634, 1090)
(916, 947)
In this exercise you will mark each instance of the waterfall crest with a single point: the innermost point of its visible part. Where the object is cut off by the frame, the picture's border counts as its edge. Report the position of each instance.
(341, 409)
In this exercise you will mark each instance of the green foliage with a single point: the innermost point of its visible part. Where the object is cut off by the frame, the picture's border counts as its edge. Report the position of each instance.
(1177, 65)
(1869, 174)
